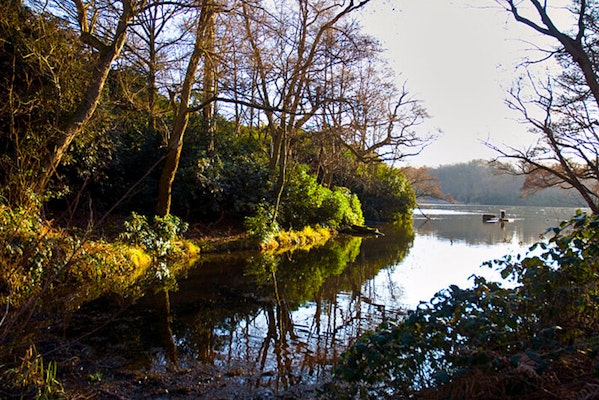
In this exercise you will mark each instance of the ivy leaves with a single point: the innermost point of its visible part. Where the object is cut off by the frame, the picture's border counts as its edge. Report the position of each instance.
(549, 312)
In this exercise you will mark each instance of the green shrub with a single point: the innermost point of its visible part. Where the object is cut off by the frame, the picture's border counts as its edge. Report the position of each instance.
(261, 226)
(233, 179)
(340, 207)
(306, 202)
(385, 193)
(157, 238)
(31, 253)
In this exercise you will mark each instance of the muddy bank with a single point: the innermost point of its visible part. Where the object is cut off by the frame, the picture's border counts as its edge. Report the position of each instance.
(200, 381)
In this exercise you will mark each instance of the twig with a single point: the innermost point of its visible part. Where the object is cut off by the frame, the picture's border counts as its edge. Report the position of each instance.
(422, 212)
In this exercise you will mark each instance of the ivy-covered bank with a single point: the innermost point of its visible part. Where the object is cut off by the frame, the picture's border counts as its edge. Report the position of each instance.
(535, 334)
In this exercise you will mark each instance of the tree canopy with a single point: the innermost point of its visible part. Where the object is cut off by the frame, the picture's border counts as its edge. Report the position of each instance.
(118, 105)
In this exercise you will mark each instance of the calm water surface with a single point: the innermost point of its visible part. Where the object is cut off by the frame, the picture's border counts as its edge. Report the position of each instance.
(277, 320)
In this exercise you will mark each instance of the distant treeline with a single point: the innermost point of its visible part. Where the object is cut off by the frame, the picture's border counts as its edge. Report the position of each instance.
(478, 182)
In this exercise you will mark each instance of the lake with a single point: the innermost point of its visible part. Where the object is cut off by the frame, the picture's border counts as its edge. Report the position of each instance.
(278, 320)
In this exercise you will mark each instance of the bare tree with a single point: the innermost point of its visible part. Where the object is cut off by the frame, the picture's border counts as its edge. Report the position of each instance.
(288, 49)
(375, 119)
(567, 151)
(425, 184)
(152, 49)
(204, 23)
(563, 109)
(103, 27)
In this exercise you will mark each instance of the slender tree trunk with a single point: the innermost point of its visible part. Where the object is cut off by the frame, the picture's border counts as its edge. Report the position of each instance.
(175, 145)
(281, 171)
(209, 81)
(91, 97)
(152, 85)
(171, 162)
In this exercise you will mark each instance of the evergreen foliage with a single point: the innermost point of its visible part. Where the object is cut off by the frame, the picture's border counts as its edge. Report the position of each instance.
(385, 193)
(306, 202)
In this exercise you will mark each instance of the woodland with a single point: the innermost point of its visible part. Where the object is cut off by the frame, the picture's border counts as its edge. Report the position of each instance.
(481, 182)
(136, 135)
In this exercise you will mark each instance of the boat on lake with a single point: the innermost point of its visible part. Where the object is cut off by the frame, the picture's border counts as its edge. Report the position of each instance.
(492, 218)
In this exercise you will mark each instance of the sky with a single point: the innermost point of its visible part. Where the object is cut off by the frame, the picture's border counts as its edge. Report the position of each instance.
(459, 58)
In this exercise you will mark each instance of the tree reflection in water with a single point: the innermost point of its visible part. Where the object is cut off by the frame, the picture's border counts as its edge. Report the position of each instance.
(280, 319)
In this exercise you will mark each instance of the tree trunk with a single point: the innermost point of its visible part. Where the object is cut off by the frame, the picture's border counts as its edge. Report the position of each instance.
(209, 82)
(175, 145)
(281, 170)
(91, 97)
(171, 163)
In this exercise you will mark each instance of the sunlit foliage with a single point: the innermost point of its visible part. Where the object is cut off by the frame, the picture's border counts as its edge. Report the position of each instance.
(384, 191)
(306, 202)
(42, 66)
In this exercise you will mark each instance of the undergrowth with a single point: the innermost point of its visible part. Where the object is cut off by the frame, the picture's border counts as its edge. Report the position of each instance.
(47, 273)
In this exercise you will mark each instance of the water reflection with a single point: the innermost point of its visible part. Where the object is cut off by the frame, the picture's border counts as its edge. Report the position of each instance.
(286, 318)
(464, 223)
(278, 319)
(271, 320)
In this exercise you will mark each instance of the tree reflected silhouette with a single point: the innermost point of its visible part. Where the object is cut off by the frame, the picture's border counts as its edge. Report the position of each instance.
(271, 319)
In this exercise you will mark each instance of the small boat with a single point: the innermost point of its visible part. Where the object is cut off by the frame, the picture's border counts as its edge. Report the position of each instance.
(492, 218)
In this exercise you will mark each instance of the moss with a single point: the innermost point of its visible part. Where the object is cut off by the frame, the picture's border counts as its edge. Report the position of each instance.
(138, 257)
(306, 238)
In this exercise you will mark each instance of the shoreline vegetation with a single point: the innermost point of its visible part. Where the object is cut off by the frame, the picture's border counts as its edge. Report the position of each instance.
(147, 256)
(189, 129)
(560, 340)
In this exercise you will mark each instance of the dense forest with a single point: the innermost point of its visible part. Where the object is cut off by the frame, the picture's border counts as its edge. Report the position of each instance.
(159, 121)
(480, 182)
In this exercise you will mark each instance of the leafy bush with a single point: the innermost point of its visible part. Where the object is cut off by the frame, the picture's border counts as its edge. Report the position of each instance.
(306, 202)
(384, 191)
(524, 337)
(31, 253)
(340, 207)
(261, 226)
(157, 237)
(233, 179)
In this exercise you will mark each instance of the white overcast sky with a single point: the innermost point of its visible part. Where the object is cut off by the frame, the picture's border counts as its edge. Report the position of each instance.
(459, 57)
